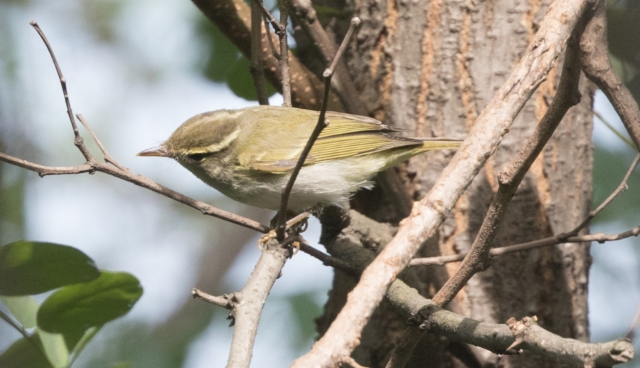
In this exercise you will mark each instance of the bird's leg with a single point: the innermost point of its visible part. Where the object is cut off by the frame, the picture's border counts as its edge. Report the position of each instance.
(297, 223)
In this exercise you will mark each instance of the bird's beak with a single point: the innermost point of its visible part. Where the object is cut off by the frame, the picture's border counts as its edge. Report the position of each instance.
(159, 151)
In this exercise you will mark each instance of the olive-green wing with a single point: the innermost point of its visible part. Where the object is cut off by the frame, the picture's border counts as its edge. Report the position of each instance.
(345, 136)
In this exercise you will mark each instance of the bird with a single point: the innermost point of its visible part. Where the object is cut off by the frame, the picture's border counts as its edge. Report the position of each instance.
(248, 154)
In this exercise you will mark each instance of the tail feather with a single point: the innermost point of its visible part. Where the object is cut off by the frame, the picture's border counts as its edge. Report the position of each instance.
(439, 143)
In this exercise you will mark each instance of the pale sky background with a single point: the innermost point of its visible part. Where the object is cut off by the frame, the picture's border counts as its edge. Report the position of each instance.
(134, 91)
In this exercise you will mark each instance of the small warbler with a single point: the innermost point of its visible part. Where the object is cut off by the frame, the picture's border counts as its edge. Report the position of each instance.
(248, 154)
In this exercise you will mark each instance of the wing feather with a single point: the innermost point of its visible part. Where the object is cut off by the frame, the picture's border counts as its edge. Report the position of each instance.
(345, 136)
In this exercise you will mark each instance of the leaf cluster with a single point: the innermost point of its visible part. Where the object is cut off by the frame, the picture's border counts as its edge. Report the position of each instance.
(83, 300)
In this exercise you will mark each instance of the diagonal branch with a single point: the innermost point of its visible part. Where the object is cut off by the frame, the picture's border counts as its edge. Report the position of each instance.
(497, 338)
(257, 63)
(342, 83)
(509, 178)
(494, 122)
(322, 123)
(597, 67)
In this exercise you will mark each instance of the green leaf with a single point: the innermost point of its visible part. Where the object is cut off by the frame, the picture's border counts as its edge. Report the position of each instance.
(223, 54)
(28, 268)
(55, 348)
(240, 81)
(23, 308)
(227, 65)
(75, 308)
(24, 353)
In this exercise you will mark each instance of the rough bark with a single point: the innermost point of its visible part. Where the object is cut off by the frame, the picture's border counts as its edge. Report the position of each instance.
(430, 68)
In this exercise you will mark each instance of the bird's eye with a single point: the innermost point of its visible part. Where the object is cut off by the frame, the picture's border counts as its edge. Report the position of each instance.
(197, 156)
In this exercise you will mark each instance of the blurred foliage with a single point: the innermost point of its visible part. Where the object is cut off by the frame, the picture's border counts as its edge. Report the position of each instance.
(609, 167)
(100, 16)
(12, 187)
(69, 318)
(623, 27)
(225, 64)
(305, 309)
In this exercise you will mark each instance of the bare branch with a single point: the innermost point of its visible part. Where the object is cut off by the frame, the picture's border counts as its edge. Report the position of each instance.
(257, 67)
(139, 180)
(621, 188)
(494, 122)
(597, 67)
(568, 237)
(250, 301)
(107, 157)
(326, 259)
(404, 346)
(284, 54)
(554, 240)
(500, 338)
(322, 123)
(232, 18)
(493, 337)
(342, 83)
(222, 301)
(113, 168)
(509, 178)
(274, 23)
(63, 83)
(614, 130)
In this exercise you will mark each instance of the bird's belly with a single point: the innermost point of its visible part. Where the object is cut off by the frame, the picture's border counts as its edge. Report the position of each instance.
(319, 184)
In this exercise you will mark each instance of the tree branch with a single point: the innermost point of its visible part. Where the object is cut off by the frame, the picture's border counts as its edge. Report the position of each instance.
(510, 177)
(111, 167)
(249, 302)
(524, 335)
(498, 338)
(342, 83)
(284, 54)
(597, 67)
(322, 123)
(494, 122)
(257, 67)
(232, 17)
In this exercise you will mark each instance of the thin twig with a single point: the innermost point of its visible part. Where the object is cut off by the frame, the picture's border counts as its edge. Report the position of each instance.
(272, 46)
(404, 346)
(222, 301)
(284, 54)
(139, 180)
(554, 240)
(597, 67)
(233, 18)
(322, 123)
(115, 169)
(16, 327)
(63, 83)
(274, 23)
(326, 259)
(568, 237)
(621, 188)
(509, 178)
(342, 83)
(107, 157)
(257, 64)
(614, 130)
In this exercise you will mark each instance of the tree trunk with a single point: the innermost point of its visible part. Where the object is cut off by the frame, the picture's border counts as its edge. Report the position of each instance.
(430, 67)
